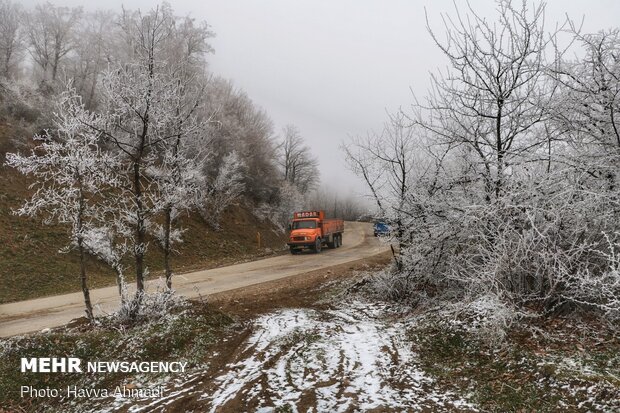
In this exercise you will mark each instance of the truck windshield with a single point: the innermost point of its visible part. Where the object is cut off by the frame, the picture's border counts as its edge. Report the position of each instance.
(304, 224)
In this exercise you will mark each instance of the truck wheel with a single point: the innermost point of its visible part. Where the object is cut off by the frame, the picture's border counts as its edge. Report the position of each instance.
(334, 243)
(317, 245)
(338, 241)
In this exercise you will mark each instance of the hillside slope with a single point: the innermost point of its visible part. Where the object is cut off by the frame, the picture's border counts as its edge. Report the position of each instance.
(32, 265)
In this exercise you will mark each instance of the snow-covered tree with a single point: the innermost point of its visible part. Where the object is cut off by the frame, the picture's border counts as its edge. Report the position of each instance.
(587, 117)
(493, 95)
(386, 161)
(148, 119)
(104, 240)
(178, 177)
(138, 109)
(71, 173)
(592, 85)
(219, 191)
(502, 184)
(240, 126)
(135, 112)
(290, 200)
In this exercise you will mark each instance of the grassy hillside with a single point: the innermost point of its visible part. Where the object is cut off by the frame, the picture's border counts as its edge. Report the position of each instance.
(31, 265)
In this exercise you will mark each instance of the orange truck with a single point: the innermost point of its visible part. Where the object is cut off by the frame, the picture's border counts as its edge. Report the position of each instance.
(310, 230)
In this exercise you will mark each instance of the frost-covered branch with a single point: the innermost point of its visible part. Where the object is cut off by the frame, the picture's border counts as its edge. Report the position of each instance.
(71, 173)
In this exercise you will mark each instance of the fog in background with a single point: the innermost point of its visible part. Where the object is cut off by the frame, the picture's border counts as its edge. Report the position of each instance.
(333, 68)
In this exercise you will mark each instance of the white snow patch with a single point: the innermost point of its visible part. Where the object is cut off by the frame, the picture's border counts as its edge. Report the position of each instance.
(352, 358)
(345, 358)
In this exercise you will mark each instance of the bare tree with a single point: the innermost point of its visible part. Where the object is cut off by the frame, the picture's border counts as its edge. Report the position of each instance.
(493, 95)
(94, 50)
(386, 162)
(11, 37)
(299, 166)
(190, 45)
(51, 33)
(587, 116)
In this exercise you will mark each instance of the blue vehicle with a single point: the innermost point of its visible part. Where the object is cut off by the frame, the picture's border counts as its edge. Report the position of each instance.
(381, 229)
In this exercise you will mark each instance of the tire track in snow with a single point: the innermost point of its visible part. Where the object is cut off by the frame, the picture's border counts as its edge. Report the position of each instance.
(344, 359)
(352, 358)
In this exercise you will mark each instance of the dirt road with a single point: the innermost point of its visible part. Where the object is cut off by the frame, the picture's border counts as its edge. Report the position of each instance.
(33, 315)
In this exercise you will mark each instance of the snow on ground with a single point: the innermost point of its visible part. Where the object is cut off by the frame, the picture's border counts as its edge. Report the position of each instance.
(343, 359)
(353, 358)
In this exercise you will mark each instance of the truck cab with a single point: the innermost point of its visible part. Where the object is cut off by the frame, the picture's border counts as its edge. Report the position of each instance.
(310, 230)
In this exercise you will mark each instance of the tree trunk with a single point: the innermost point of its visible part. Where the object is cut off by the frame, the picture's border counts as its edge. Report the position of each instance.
(140, 231)
(613, 124)
(54, 71)
(84, 281)
(56, 61)
(120, 282)
(93, 86)
(500, 148)
(7, 64)
(168, 225)
(80, 242)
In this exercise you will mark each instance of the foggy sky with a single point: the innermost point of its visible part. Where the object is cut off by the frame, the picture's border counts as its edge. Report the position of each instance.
(334, 67)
